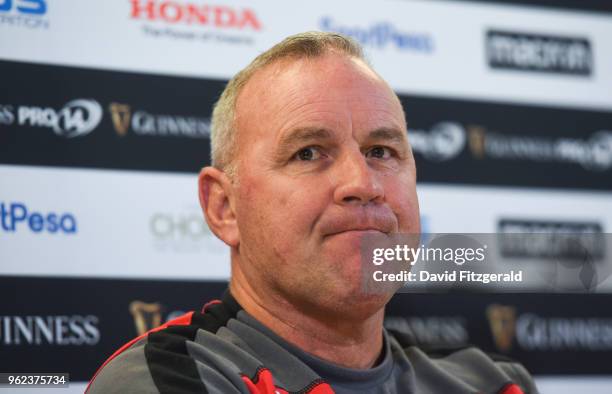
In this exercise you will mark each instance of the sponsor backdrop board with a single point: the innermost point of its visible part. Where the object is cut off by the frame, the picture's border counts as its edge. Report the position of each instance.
(72, 325)
(441, 48)
(137, 224)
(105, 224)
(105, 118)
(117, 120)
(510, 145)
(94, 118)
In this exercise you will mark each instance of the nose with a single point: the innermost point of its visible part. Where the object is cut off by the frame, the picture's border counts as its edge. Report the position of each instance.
(357, 183)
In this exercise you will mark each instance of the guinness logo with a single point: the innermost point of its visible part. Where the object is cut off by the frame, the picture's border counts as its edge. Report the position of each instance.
(146, 316)
(477, 141)
(120, 114)
(502, 320)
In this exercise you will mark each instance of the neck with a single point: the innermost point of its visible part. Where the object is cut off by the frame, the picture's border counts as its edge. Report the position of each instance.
(349, 342)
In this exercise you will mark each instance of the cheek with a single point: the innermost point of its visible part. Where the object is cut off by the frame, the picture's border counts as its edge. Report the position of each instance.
(281, 208)
(401, 196)
(298, 208)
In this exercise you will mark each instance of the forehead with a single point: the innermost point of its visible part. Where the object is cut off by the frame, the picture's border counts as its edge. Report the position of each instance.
(328, 89)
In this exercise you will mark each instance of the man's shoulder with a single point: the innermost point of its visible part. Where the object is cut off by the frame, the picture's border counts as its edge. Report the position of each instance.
(125, 371)
(141, 364)
(463, 366)
(183, 355)
(208, 351)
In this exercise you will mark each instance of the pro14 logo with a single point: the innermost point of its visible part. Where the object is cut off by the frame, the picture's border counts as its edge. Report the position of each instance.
(15, 216)
(77, 118)
(27, 13)
(6, 114)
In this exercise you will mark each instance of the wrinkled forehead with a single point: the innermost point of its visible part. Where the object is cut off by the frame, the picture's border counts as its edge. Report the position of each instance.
(289, 89)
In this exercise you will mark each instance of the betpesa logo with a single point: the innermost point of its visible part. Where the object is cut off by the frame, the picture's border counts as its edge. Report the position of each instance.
(381, 35)
(195, 14)
(15, 216)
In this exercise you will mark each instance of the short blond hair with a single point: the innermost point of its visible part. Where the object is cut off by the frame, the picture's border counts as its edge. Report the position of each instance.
(304, 45)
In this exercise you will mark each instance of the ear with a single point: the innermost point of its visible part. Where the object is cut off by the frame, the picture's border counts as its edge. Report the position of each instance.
(216, 194)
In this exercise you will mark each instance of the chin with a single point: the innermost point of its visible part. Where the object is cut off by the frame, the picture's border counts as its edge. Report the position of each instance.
(355, 300)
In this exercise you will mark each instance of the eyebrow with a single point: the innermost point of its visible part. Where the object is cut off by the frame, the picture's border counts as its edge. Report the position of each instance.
(305, 135)
(302, 135)
(388, 134)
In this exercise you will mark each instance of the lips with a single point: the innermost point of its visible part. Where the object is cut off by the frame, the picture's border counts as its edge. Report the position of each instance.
(376, 219)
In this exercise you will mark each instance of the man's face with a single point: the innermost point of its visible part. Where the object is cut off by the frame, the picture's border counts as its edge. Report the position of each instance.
(322, 160)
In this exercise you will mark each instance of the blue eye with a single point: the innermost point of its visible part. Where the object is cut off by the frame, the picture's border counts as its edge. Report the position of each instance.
(379, 152)
(308, 154)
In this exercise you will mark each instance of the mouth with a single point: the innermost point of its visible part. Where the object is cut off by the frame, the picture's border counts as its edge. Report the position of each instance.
(360, 230)
(358, 223)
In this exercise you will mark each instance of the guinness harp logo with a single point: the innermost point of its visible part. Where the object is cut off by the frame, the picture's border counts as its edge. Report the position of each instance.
(502, 320)
(477, 141)
(146, 316)
(120, 114)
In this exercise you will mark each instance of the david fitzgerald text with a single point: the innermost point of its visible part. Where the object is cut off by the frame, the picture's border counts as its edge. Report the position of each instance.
(449, 277)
